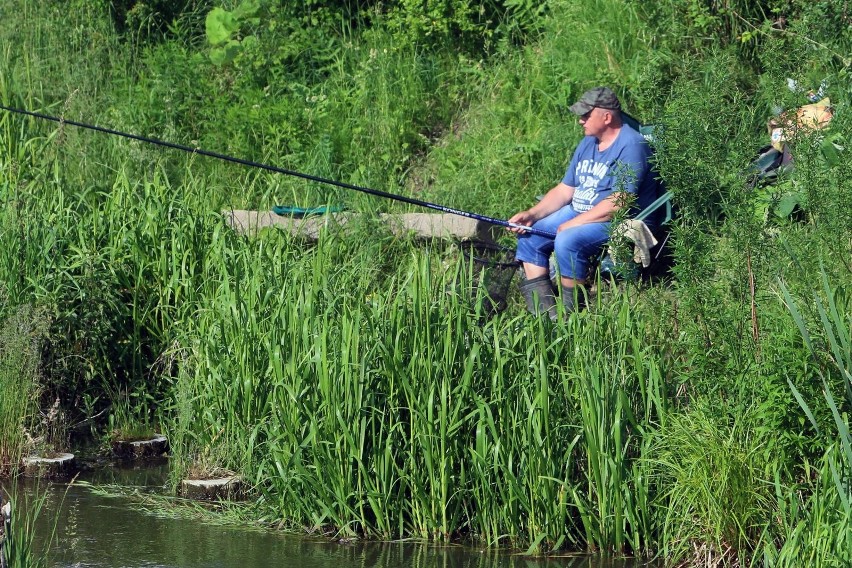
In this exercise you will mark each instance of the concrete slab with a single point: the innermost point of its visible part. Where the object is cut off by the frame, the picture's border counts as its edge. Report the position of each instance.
(60, 465)
(218, 489)
(419, 225)
(140, 449)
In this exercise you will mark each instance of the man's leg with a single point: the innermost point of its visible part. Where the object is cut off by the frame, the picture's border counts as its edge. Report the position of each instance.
(574, 248)
(534, 254)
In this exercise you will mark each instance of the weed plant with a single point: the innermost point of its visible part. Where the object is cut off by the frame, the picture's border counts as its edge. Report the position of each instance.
(717, 499)
(821, 531)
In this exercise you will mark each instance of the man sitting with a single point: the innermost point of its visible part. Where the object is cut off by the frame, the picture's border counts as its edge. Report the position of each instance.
(609, 164)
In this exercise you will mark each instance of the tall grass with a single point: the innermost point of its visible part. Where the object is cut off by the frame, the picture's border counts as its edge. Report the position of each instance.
(29, 536)
(20, 549)
(820, 531)
(388, 405)
(618, 382)
(20, 387)
(715, 501)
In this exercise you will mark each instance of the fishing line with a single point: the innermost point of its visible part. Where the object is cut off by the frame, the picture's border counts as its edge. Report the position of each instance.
(276, 169)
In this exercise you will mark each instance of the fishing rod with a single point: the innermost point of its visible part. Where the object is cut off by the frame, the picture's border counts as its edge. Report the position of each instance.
(276, 169)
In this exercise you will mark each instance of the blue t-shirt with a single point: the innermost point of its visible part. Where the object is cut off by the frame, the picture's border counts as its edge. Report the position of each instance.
(623, 166)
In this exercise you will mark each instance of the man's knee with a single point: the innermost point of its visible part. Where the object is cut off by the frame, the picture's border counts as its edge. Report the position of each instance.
(575, 250)
(585, 239)
(576, 240)
(534, 251)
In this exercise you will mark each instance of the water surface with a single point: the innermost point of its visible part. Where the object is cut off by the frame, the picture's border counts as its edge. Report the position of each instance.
(93, 530)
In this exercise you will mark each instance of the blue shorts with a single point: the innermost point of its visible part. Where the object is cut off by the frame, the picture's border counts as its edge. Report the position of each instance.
(574, 247)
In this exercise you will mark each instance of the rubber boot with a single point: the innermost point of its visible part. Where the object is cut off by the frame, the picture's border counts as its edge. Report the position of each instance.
(573, 298)
(539, 295)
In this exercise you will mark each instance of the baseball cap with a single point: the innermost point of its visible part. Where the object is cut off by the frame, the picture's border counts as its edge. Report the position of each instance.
(601, 97)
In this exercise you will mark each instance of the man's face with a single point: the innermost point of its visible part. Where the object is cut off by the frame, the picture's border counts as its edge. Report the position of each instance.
(595, 121)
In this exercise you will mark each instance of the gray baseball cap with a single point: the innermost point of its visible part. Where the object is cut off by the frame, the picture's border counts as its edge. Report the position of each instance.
(600, 97)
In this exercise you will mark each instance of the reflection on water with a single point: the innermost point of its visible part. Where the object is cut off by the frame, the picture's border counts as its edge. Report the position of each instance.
(97, 531)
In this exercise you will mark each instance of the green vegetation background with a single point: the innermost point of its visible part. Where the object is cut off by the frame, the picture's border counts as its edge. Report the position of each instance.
(360, 384)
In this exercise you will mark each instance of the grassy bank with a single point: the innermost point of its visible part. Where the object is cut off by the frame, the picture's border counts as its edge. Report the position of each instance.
(360, 383)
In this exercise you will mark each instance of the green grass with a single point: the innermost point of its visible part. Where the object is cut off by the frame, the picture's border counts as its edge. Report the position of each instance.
(402, 412)
(715, 500)
(20, 387)
(820, 531)
(22, 548)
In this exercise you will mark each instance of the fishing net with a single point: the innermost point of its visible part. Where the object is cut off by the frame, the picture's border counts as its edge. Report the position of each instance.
(494, 268)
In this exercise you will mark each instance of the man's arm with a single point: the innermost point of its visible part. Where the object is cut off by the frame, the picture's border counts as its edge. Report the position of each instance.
(558, 196)
(603, 211)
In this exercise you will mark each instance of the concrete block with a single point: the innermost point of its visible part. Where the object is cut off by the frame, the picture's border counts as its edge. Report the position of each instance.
(420, 225)
(59, 465)
(140, 449)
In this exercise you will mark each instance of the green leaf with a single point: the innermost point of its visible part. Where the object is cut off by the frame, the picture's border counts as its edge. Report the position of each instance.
(249, 42)
(841, 422)
(220, 25)
(225, 54)
(797, 316)
(804, 405)
(830, 148)
(533, 549)
(787, 204)
(247, 9)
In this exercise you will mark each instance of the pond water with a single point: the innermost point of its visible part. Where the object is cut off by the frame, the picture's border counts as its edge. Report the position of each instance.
(93, 530)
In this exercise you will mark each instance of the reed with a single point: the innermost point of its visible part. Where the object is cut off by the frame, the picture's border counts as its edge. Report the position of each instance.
(31, 525)
(395, 411)
(617, 381)
(20, 548)
(819, 532)
(716, 502)
(20, 387)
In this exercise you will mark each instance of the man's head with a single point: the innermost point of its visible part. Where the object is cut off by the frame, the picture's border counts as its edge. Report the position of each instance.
(599, 97)
(598, 110)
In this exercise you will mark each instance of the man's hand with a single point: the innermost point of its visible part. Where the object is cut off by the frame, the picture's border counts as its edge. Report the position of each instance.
(558, 196)
(566, 225)
(575, 222)
(524, 218)
(600, 213)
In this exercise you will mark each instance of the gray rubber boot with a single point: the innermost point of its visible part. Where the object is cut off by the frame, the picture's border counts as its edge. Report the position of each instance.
(539, 295)
(573, 298)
